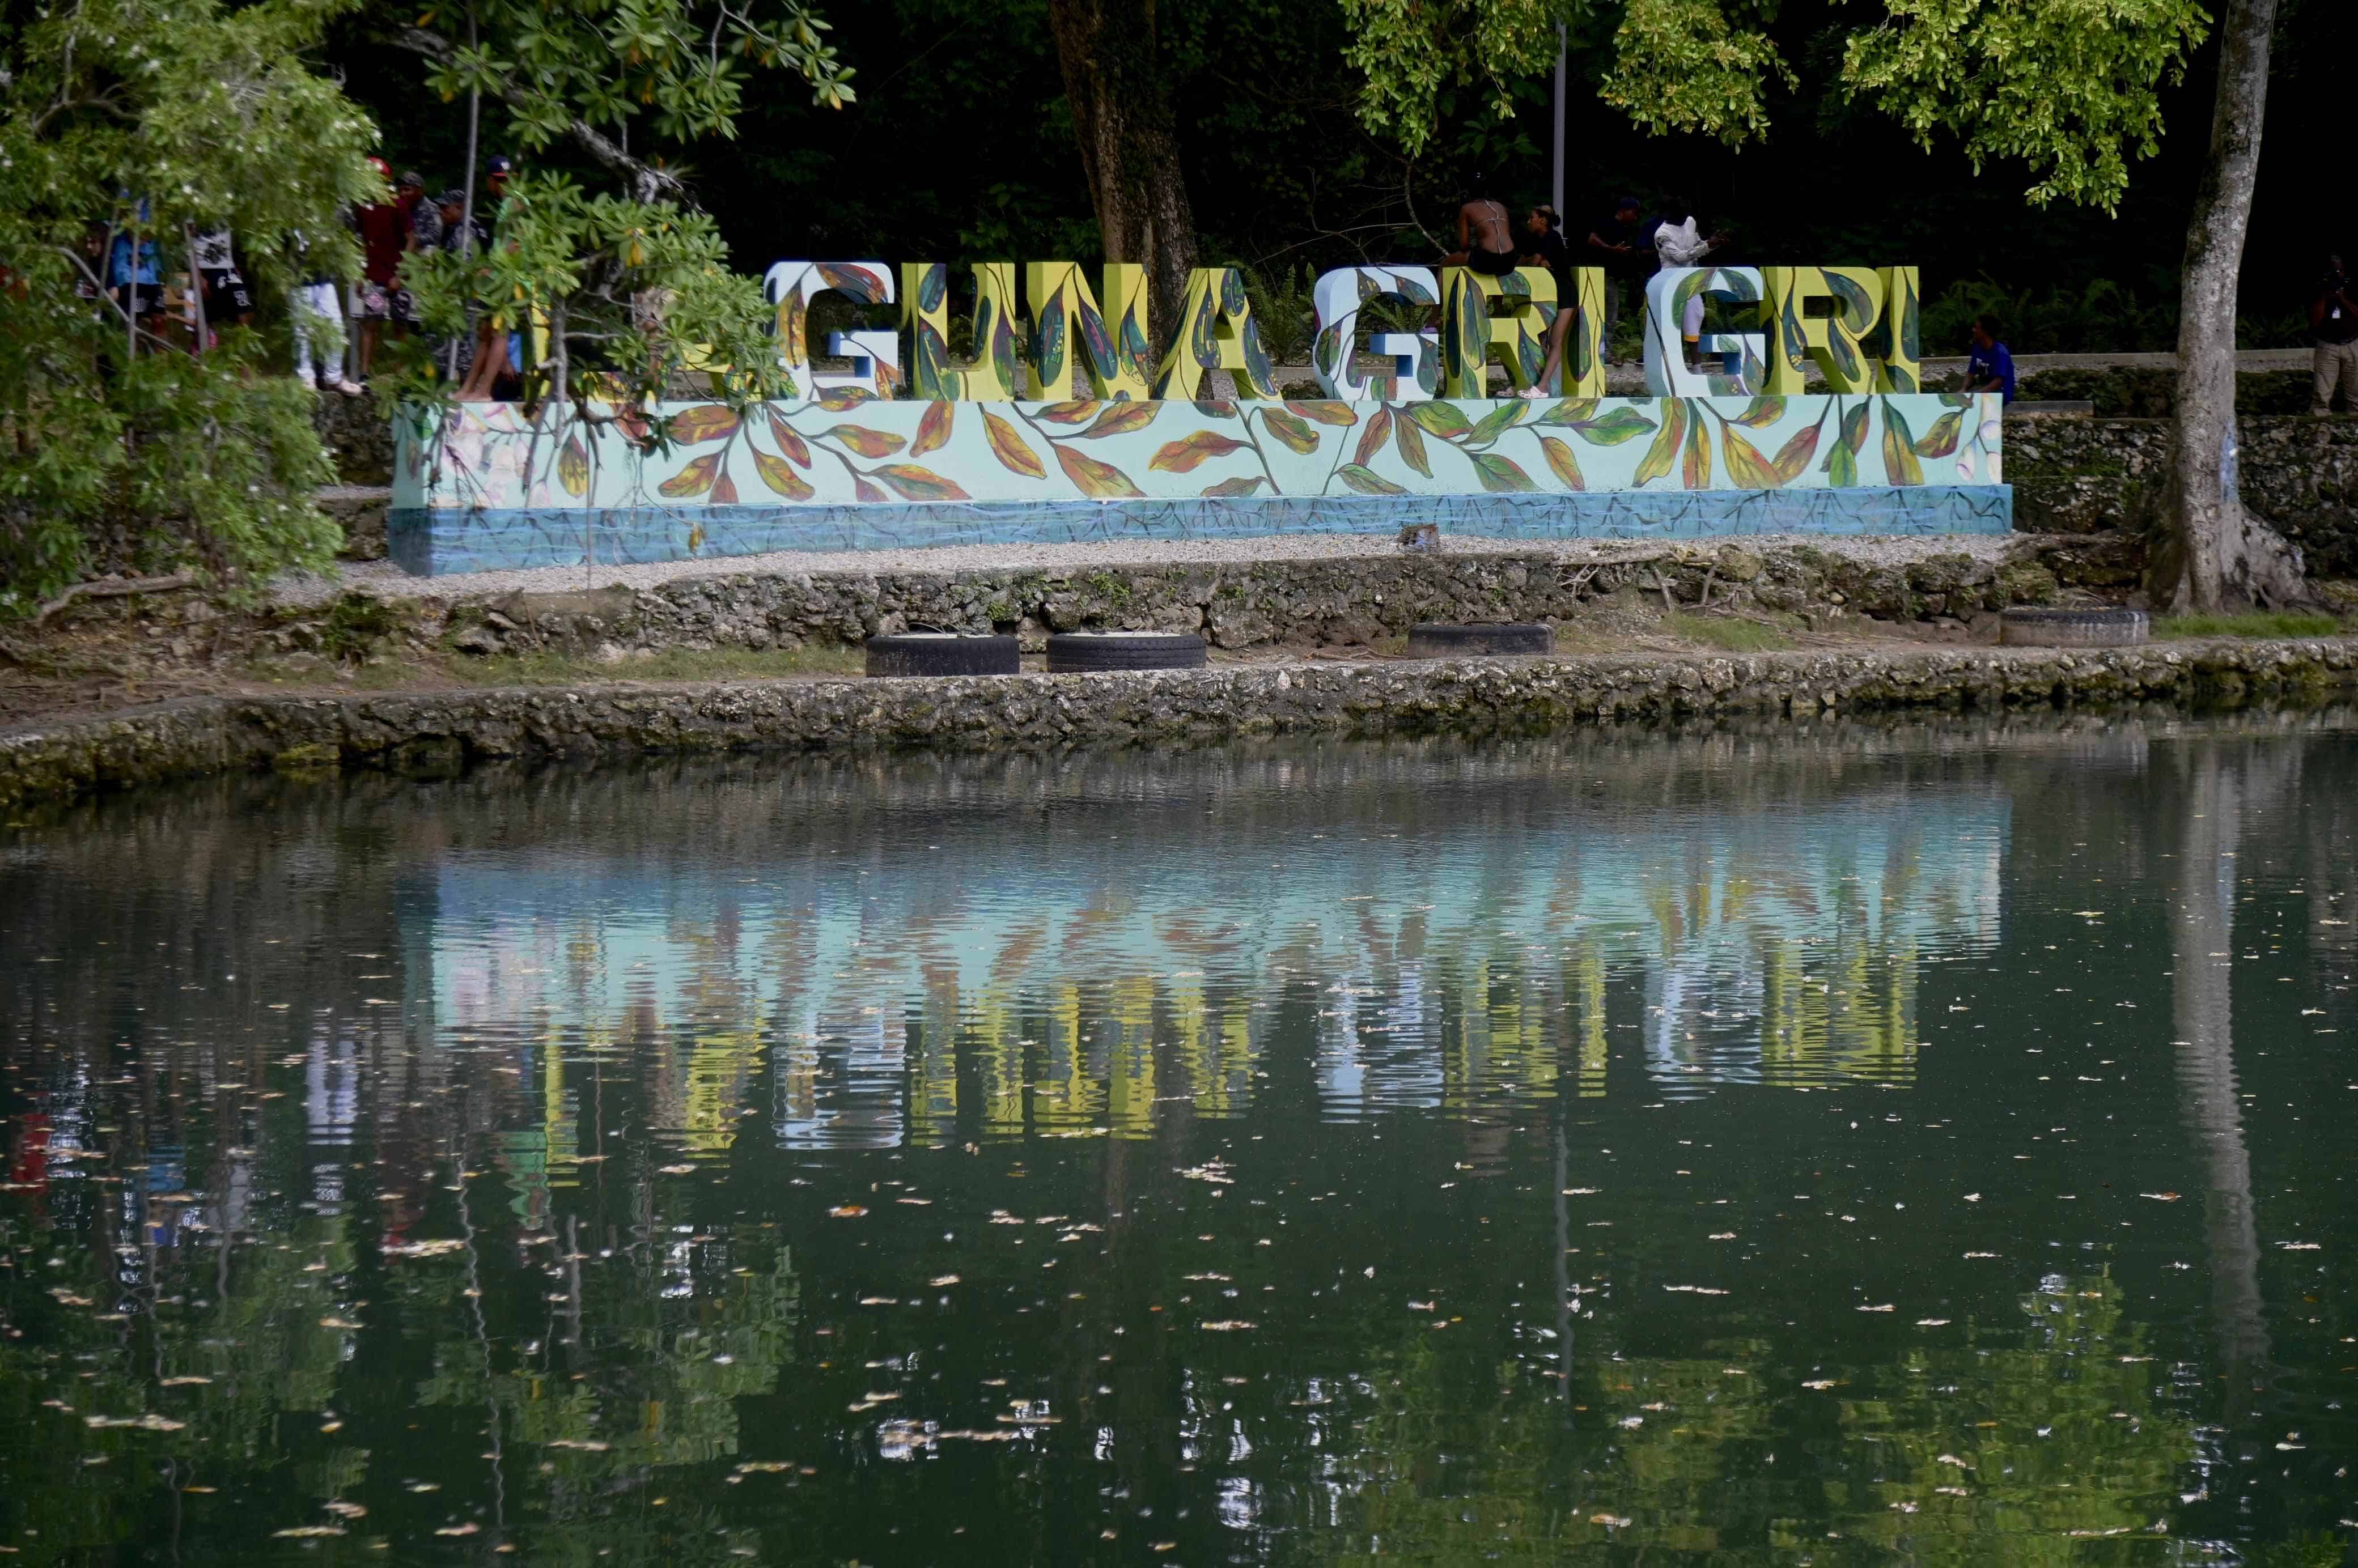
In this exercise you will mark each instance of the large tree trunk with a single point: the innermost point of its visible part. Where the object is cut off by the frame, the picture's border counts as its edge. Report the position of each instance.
(2213, 555)
(1130, 147)
(2202, 933)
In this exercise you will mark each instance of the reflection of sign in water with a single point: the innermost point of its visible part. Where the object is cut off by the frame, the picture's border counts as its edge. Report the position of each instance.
(1447, 968)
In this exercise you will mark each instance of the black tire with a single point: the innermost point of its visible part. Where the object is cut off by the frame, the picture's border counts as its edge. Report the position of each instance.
(2073, 628)
(1432, 640)
(1086, 652)
(943, 653)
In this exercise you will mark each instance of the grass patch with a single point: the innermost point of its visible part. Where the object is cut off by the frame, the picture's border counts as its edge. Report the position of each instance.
(553, 668)
(1727, 634)
(2258, 624)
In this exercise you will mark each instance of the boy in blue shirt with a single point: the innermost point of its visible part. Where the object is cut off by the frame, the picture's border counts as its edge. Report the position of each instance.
(1991, 366)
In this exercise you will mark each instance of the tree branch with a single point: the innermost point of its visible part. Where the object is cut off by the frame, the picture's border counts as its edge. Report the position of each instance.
(647, 182)
(111, 588)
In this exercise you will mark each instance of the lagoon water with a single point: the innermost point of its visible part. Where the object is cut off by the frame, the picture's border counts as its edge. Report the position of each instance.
(1841, 1144)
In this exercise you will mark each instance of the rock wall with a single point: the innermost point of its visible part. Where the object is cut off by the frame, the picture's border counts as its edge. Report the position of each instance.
(438, 733)
(1338, 602)
(2075, 476)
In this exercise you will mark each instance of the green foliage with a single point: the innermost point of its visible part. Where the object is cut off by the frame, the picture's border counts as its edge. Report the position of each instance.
(2066, 88)
(680, 66)
(131, 453)
(1727, 634)
(2257, 624)
(2102, 315)
(1284, 310)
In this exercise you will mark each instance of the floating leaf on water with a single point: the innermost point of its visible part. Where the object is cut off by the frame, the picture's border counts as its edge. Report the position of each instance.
(846, 1211)
(1884, 1307)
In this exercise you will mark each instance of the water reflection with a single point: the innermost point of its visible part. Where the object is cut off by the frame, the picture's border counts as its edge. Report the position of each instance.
(1758, 1147)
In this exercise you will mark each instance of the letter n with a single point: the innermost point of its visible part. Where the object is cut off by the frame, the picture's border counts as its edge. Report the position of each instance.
(1113, 336)
(1217, 332)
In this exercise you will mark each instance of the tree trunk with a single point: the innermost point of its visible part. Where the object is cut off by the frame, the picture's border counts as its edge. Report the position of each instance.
(1130, 145)
(2202, 933)
(2213, 555)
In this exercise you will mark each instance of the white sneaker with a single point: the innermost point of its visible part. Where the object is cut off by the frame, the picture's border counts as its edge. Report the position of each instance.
(1533, 395)
(349, 388)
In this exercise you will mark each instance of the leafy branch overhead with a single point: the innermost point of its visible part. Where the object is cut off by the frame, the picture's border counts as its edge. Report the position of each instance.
(590, 71)
(2066, 88)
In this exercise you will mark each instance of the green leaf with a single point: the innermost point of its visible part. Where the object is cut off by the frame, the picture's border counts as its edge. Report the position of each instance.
(1442, 419)
(1190, 452)
(1048, 346)
(1010, 449)
(1499, 420)
(932, 427)
(1572, 411)
(1325, 413)
(789, 440)
(868, 443)
(1792, 460)
(1941, 438)
(1372, 438)
(1367, 481)
(916, 484)
(1695, 471)
(1899, 464)
(693, 480)
(1559, 457)
(1120, 419)
(934, 288)
(1500, 473)
(1407, 436)
(1234, 487)
(1295, 433)
(1623, 424)
(1760, 413)
(1663, 455)
(1746, 465)
(780, 477)
(1096, 479)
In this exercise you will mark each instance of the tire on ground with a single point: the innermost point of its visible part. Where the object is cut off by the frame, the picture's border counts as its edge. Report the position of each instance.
(1436, 640)
(2069, 628)
(943, 653)
(1085, 652)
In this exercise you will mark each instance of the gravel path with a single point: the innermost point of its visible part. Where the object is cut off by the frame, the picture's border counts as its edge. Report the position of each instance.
(386, 580)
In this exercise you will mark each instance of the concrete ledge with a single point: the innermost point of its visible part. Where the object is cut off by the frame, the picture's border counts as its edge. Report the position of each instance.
(437, 734)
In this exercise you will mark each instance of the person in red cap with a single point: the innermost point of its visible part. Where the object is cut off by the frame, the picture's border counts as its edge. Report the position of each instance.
(384, 233)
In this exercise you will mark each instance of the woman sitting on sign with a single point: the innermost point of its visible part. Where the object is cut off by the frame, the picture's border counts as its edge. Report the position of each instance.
(1485, 240)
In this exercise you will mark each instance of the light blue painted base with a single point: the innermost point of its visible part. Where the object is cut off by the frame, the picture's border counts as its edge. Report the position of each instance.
(442, 541)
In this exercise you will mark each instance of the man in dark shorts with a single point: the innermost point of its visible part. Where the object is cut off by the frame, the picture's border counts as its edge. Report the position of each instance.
(1485, 240)
(229, 298)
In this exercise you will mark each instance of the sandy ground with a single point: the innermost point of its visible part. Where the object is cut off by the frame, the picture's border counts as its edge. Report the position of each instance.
(386, 580)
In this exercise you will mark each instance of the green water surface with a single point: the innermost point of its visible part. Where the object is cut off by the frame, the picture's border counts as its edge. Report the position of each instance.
(1843, 1144)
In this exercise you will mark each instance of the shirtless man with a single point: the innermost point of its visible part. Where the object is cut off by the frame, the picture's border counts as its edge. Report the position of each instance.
(1485, 240)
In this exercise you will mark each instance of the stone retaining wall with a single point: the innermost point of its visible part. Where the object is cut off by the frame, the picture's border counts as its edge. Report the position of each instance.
(439, 733)
(2073, 476)
(1315, 602)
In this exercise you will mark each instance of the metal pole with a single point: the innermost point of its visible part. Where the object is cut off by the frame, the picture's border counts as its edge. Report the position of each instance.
(1561, 94)
(467, 208)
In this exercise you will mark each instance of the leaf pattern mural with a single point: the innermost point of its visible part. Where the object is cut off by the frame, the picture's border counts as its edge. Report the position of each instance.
(1190, 452)
(865, 442)
(1098, 480)
(934, 429)
(1560, 459)
(915, 483)
(693, 480)
(1008, 447)
(780, 476)
(929, 452)
(705, 422)
(1664, 453)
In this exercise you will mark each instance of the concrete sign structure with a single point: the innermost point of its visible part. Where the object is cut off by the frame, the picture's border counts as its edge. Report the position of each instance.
(911, 446)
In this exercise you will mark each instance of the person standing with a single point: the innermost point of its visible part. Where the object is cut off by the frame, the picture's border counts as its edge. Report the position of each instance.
(1990, 367)
(384, 238)
(2333, 332)
(492, 353)
(1679, 241)
(229, 301)
(1624, 247)
(317, 320)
